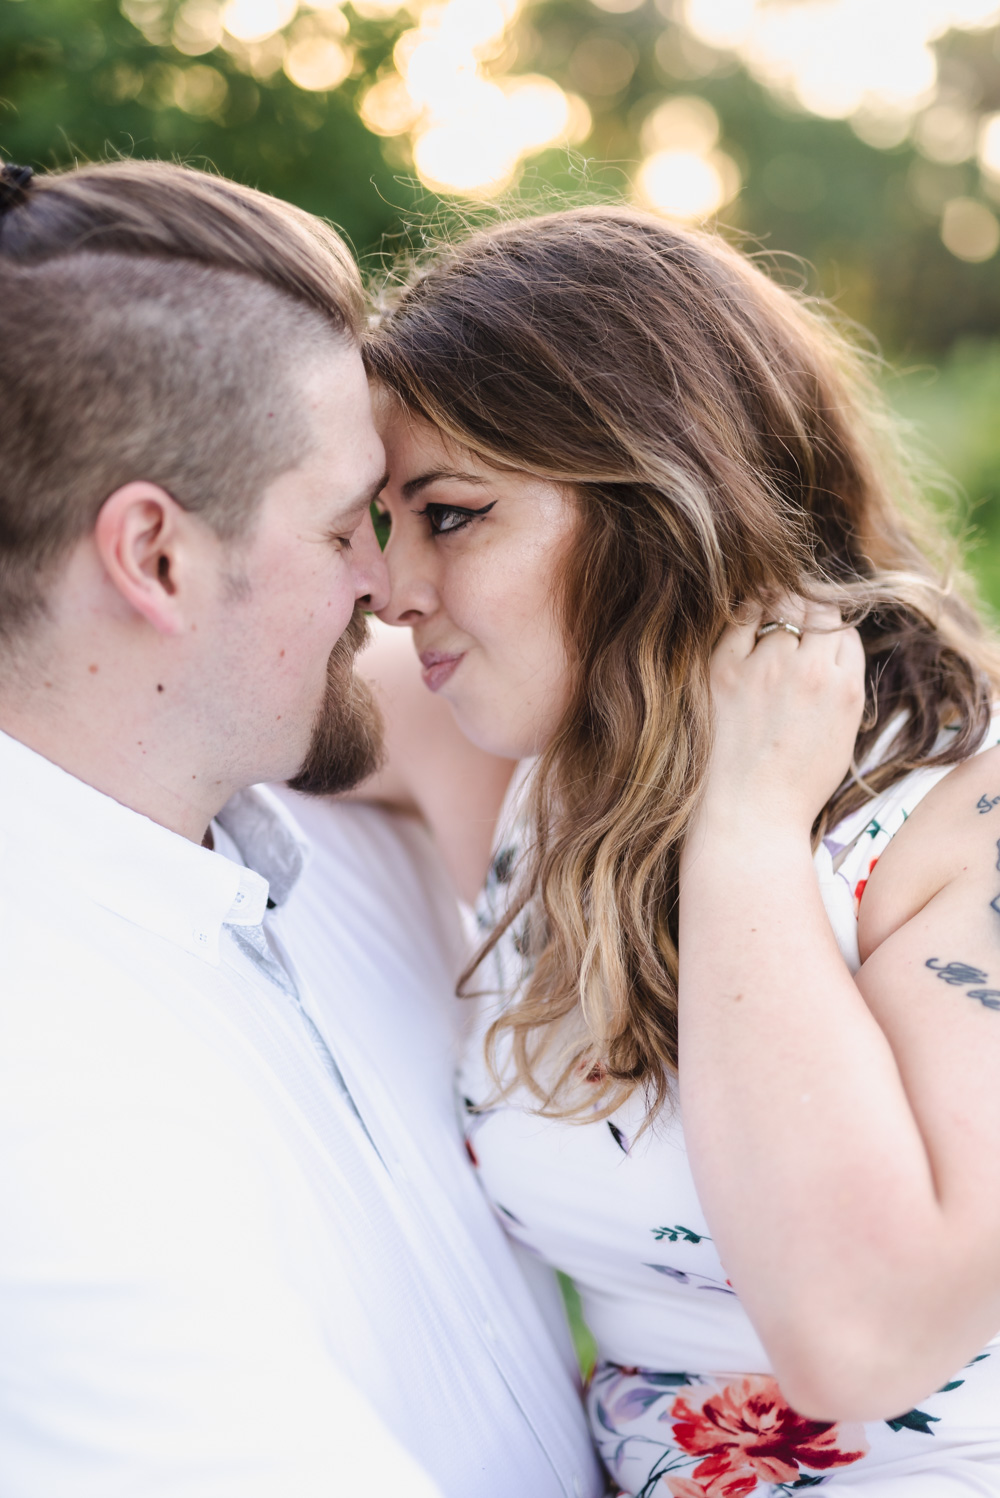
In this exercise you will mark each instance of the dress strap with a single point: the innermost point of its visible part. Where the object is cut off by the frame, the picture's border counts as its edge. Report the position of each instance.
(857, 843)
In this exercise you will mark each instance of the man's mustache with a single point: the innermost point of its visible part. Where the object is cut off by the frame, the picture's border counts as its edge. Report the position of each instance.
(347, 742)
(355, 637)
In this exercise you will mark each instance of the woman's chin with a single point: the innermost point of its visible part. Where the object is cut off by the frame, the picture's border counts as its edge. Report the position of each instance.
(507, 740)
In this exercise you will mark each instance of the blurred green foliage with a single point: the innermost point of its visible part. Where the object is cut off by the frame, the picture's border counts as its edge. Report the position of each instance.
(79, 79)
(954, 407)
(584, 1345)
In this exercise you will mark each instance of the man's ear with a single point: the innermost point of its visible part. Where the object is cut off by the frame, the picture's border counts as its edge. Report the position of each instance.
(143, 539)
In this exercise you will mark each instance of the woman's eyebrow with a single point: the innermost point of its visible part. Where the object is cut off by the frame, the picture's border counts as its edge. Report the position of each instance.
(412, 487)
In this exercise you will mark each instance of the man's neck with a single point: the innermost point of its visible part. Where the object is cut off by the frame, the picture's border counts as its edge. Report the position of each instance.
(129, 761)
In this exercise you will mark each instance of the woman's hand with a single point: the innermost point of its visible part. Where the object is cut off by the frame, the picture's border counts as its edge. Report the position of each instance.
(787, 711)
(843, 1129)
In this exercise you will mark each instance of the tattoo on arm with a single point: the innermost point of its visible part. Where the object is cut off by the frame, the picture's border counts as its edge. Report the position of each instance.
(961, 975)
(956, 972)
(995, 902)
(985, 804)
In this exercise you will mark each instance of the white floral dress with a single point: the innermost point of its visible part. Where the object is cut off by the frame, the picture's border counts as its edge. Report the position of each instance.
(682, 1402)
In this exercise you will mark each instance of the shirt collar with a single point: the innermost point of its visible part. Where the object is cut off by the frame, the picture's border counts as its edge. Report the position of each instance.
(140, 870)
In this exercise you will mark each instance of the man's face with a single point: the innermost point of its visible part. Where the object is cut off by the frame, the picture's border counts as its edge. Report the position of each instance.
(288, 621)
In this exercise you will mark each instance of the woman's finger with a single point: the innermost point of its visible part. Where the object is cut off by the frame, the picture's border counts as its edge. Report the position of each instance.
(850, 650)
(822, 626)
(782, 622)
(737, 640)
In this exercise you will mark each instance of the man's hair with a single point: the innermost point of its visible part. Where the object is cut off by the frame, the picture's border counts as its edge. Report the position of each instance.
(154, 322)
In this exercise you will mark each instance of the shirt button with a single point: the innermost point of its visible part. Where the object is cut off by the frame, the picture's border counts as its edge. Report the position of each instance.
(488, 1331)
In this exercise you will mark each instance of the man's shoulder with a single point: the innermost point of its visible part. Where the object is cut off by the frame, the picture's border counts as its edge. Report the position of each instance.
(95, 1017)
(57, 942)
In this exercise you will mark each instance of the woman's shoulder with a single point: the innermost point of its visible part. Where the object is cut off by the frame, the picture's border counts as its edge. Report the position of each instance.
(934, 825)
(872, 825)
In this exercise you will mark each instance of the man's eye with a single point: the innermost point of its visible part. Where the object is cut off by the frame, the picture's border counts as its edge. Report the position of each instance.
(443, 519)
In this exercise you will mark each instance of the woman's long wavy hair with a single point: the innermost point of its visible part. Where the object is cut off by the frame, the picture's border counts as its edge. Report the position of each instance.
(726, 445)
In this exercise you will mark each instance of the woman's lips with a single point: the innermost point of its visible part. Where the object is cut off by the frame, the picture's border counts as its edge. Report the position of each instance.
(438, 667)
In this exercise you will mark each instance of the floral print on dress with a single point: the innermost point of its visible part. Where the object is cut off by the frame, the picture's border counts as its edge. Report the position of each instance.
(689, 1435)
(692, 1277)
(747, 1434)
(727, 1437)
(862, 883)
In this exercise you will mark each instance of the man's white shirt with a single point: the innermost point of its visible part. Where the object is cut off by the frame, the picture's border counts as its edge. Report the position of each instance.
(240, 1253)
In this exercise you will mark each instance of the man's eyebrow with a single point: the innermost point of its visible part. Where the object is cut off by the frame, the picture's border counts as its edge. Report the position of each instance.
(412, 487)
(364, 501)
(372, 494)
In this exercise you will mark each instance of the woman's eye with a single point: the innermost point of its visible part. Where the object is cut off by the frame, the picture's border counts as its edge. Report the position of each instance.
(443, 519)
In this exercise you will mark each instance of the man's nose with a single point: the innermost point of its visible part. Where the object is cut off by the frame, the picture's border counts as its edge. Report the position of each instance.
(371, 577)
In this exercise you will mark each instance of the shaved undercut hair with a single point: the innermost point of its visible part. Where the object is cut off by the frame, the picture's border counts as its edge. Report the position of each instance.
(155, 324)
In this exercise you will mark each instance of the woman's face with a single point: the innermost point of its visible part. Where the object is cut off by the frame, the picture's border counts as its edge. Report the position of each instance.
(474, 558)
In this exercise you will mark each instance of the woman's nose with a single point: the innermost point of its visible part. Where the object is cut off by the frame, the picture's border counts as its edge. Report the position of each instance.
(412, 588)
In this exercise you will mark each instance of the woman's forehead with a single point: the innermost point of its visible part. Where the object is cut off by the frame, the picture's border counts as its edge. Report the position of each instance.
(411, 440)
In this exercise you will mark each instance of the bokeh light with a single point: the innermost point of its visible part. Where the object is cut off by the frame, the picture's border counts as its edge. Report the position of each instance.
(989, 146)
(255, 20)
(200, 91)
(469, 98)
(683, 175)
(970, 230)
(946, 133)
(470, 126)
(388, 107)
(682, 123)
(840, 58)
(197, 27)
(317, 62)
(859, 137)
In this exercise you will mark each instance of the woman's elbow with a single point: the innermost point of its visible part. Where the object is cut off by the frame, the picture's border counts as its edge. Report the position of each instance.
(855, 1375)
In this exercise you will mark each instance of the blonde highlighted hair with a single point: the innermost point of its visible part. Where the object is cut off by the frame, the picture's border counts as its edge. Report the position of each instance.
(726, 444)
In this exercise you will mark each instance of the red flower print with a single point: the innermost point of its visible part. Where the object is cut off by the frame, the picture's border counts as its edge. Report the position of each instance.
(861, 885)
(747, 1434)
(715, 1480)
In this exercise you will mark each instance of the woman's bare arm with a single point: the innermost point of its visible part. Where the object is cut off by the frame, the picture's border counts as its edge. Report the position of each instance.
(844, 1133)
(431, 769)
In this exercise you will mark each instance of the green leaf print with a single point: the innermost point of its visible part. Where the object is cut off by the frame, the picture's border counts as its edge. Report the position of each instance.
(919, 1420)
(679, 1234)
(916, 1420)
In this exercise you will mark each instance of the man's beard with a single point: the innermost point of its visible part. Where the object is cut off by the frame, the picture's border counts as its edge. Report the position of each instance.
(346, 745)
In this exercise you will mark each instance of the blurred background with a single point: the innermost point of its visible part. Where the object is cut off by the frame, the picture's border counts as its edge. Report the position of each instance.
(860, 135)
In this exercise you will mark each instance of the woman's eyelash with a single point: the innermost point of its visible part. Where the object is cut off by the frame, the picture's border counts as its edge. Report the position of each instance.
(436, 514)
